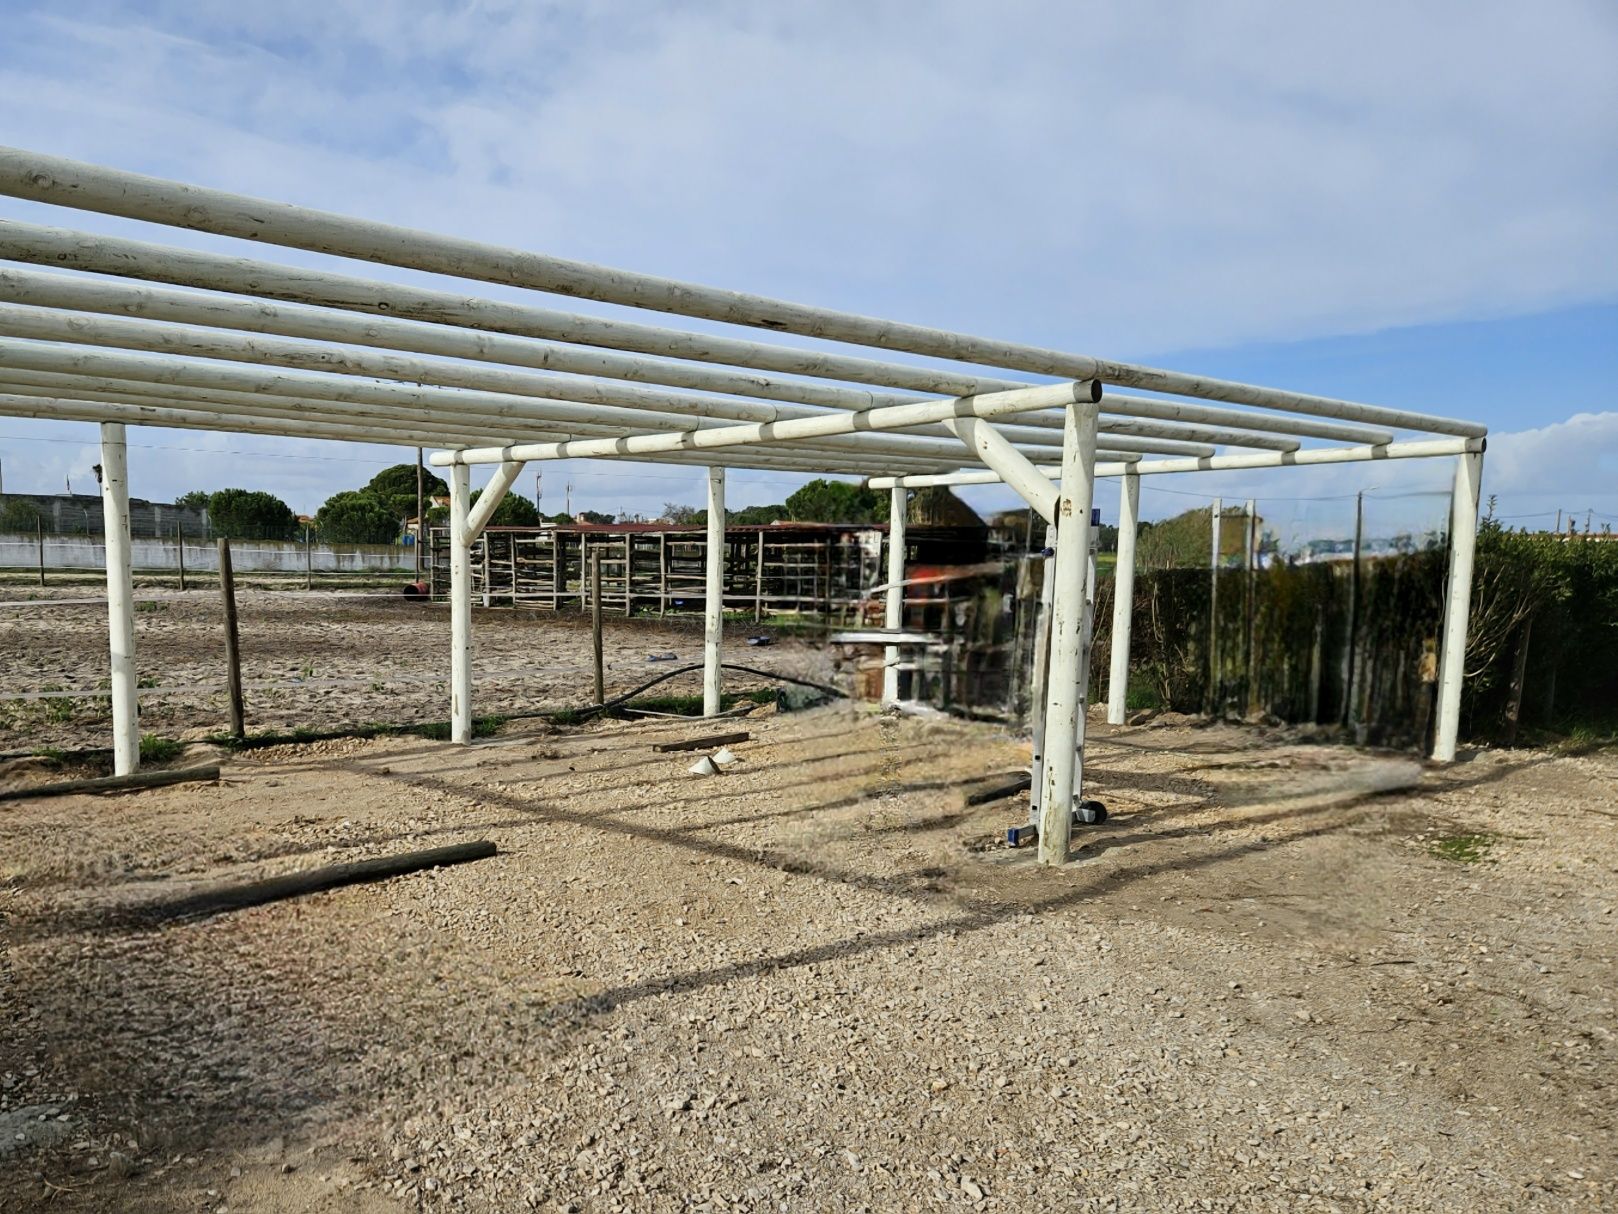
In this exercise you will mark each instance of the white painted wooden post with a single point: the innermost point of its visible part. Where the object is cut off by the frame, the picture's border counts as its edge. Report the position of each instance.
(1041, 678)
(714, 596)
(893, 616)
(1064, 721)
(460, 605)
(1463, 538)
(1216, 516)
(120, 598)
(1123, 598)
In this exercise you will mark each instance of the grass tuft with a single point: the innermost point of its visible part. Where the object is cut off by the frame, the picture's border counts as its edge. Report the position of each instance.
(154, 749)
(1463, 849)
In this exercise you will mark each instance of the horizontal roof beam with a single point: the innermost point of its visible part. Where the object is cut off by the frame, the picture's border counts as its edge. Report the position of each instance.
(47, 350)
(65, 182)
(213, 405)
(990, 405)
(1413, 449)
(132, 413)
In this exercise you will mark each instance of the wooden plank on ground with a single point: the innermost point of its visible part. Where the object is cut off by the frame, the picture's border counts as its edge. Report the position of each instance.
(129, 783)
(995, 787)
(273, 889)
(702, 743)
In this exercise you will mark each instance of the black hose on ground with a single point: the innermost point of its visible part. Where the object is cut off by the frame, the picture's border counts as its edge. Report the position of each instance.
(615, 701)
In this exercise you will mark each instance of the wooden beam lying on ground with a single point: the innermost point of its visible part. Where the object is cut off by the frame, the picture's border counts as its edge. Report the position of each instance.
(702, 743)
(130, 783)
(293, 885)
(995, 787)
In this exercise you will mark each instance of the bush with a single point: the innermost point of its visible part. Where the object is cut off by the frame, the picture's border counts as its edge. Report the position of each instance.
(250, 514)
(18, 515)
(356, 516)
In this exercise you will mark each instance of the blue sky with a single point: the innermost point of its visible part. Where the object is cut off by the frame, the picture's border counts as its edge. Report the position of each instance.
(1406, 204)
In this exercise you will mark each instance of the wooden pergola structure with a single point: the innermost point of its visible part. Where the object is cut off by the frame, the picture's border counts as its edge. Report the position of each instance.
(120, 332)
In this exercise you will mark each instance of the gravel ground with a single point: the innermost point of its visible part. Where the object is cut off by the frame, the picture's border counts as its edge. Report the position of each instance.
(320, 661)
(1283, 977)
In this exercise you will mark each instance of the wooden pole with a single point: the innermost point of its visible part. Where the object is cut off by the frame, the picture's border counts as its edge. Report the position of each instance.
(292, 885)
(233, 660)
(595, 623)
(179, 551)
(1519, 676)
(125, 783)
(39, 534)
(662, 574)
(758, 579)
(629, 568)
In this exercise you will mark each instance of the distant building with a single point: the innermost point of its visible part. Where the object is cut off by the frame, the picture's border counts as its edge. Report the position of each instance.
(80, 514)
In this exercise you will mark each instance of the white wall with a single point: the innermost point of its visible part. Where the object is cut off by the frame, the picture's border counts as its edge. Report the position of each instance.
(246, 556)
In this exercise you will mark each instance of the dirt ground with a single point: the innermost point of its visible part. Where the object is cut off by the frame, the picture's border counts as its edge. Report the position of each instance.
(320, 661)
(1284, 976)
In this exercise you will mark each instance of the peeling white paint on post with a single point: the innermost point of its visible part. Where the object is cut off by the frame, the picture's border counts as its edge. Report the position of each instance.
(1064, 722)
(1123, 599)
(713, 602)
(1463, 538)
(893, 613)
(460, 606)
(120, 598)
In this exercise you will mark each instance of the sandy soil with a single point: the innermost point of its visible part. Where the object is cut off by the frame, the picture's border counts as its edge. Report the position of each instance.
(319, 661)
(1283, 977)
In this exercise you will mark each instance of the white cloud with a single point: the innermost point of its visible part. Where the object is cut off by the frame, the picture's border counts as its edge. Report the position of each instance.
(1118, 179)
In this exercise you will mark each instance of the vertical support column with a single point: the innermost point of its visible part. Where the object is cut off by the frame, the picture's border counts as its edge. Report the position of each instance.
(1041, 675)
(1123, 598)
(1463, 538)
(460, 606)
(1249, 608)
(1215, 517)
(894, 608)
(120, 598)
(596, 648)
(1064, 721)
(714, 597)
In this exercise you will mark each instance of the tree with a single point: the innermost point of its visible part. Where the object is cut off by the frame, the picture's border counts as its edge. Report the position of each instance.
(755, 516)
(396, 486)
(18, 515)
(513, 511)
(594, 516)
(250, 514)
(356, 516)
(197, 499)
(823, 501)
(676, 513)
(560, 518)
